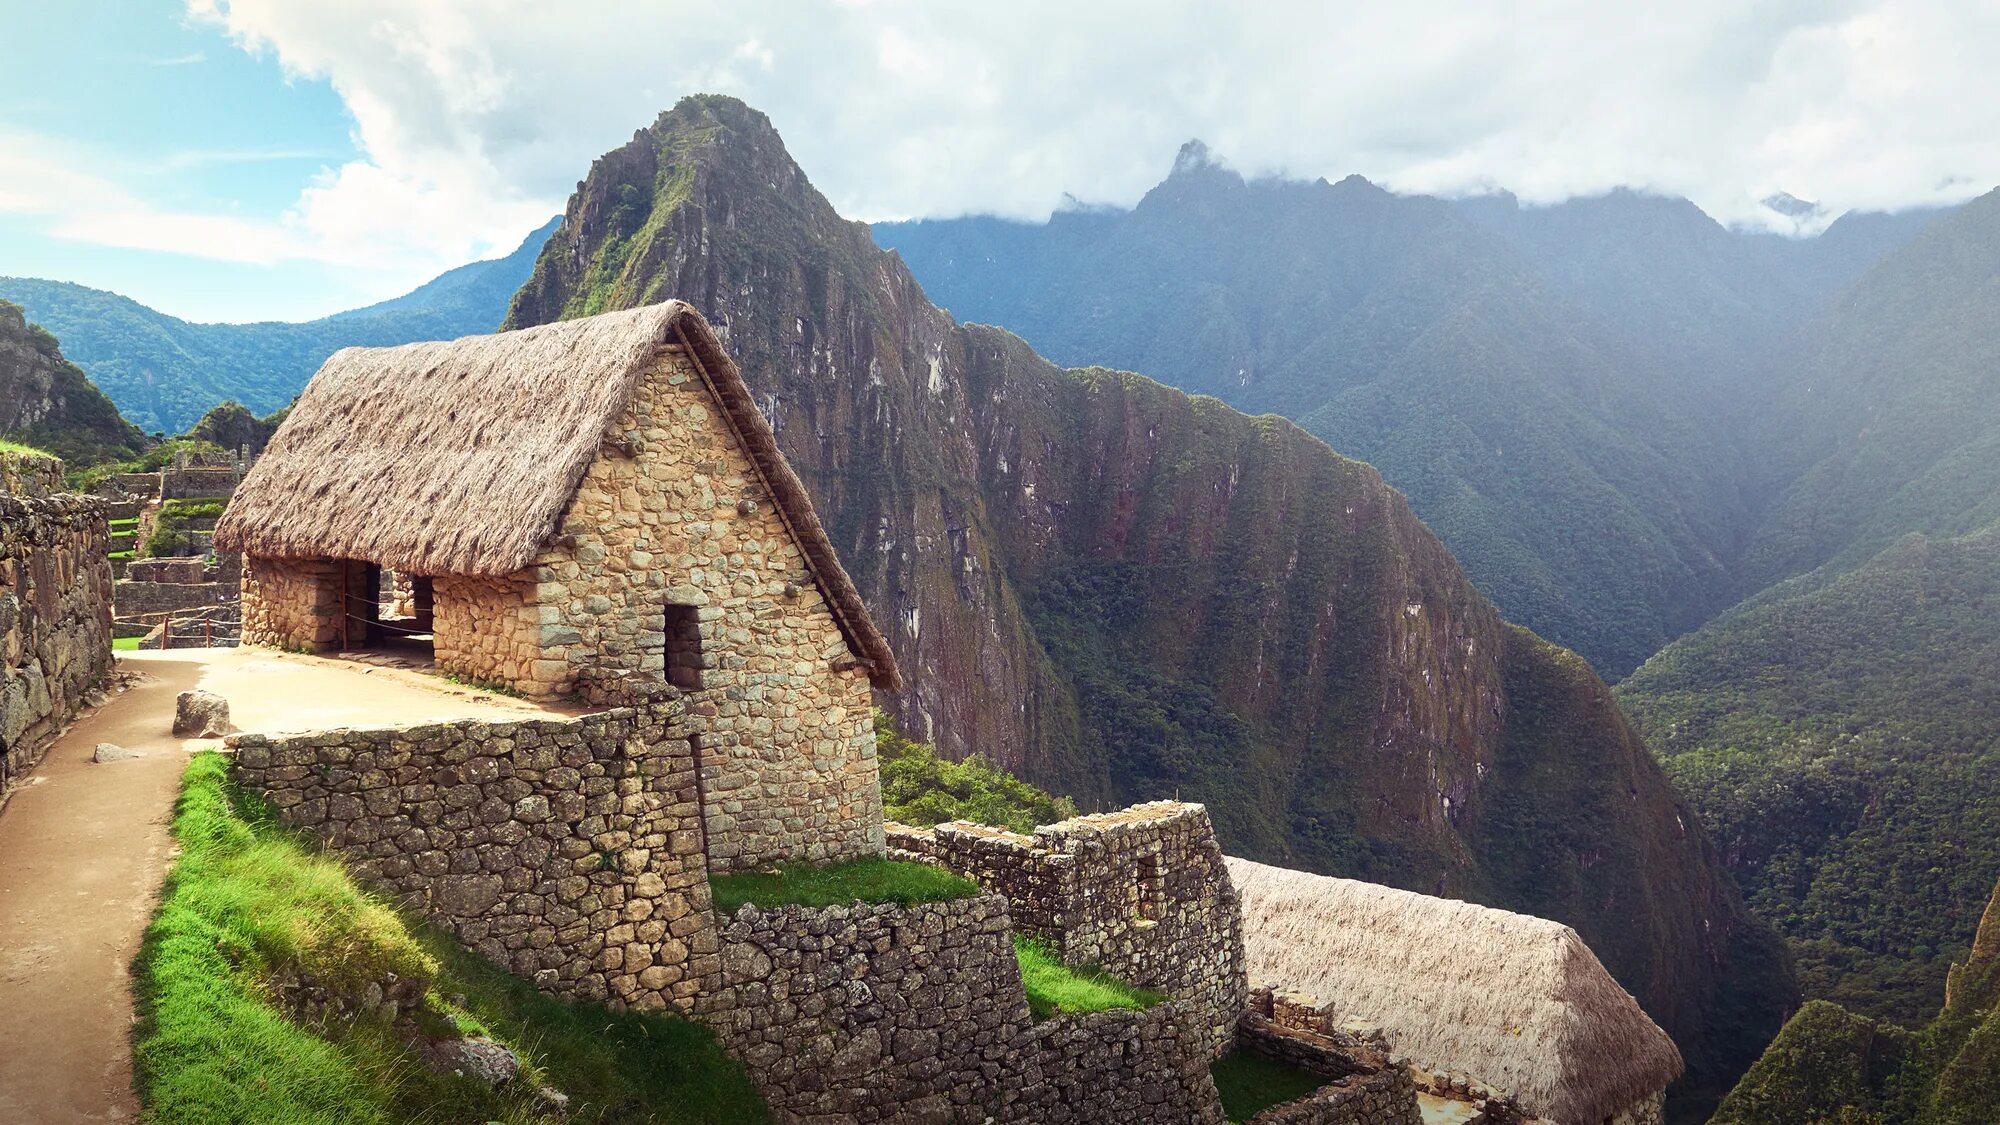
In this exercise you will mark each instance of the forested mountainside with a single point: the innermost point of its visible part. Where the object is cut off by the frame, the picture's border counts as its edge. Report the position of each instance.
(47, 401)
(1555, 388)
(1887, 420)
(1838, 736)
(1125, 592)
(164, 372)
(1832, 1067)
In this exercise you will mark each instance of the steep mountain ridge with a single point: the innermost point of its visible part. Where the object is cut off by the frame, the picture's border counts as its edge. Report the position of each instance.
(164, 372)
(1888, 419)
(1122, 591)
(47, 401)
(1583, 486)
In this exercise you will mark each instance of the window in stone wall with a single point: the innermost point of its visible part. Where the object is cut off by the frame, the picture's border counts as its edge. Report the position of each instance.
(684, 657)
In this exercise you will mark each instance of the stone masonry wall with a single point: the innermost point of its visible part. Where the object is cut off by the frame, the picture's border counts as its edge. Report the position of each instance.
(483, 629)
(55, 607)
(291, 604)
(677, 517)
(917, 1014)
(568, 850)
(1142, 892)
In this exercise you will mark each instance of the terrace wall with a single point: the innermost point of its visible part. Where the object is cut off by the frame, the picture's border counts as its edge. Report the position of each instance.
(568, 850)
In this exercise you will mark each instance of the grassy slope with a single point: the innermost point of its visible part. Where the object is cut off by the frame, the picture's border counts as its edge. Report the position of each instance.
(1837, 736)
(246, 901)
(840, 884)
(1054, 987)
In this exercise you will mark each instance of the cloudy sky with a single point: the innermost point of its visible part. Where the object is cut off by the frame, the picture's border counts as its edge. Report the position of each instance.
(253, 159)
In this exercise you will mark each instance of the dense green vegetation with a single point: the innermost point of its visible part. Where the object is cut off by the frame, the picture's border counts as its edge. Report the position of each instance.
(1055, 988)
(838, 884)
(922, 789)
(1832, 1067)
(165, 373)
(176, 522)
(247, 903)
(1251, 1083)
(1838, 736)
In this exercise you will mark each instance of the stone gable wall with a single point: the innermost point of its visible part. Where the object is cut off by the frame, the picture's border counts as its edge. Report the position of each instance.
(568, 850)
(877, 1013)
(55, 608)
(1142, 892)
(785, 722)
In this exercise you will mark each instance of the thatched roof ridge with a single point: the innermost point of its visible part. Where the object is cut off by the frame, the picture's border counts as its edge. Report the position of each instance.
(461, 456)
(1511, 1000)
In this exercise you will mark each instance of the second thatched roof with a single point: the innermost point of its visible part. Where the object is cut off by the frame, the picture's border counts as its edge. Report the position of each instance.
(461, 456)
(1511, 1000)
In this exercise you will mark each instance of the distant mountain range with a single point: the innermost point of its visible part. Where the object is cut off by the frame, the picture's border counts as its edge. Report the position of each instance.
(1557, 389)
(47, 402)
(165, 373)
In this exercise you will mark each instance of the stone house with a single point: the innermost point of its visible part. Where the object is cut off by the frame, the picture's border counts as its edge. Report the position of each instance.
(573, 505)
(1512, 1002)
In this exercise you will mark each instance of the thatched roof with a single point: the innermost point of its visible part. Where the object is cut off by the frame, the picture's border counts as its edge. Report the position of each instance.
(1513, 1001)
(460, 457)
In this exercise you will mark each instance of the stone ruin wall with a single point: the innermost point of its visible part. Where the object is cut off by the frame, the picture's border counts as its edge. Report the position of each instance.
(879, 1013)
(567, 850)
(291, 603)
(55, 608)
(1142, 892)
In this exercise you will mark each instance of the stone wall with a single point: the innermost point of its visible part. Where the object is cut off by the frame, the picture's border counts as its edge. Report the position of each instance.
(888, 1013)
(483, 629)
(55, 607)
(291, 603)
(568, 850)
(1142, 892)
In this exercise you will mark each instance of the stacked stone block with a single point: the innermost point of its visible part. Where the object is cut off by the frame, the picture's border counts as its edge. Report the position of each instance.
(568, 850)
(55, 607)
(1142, 892)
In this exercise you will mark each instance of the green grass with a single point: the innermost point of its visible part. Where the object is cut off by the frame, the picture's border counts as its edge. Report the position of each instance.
(247, 900)
(17, 447)
(127, 555)
(127, 523)
(1055, 988)
(125, 644)
(1251, 1083)
(840, 884)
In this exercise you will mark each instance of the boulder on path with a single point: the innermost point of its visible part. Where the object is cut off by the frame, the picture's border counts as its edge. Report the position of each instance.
(201, 714)
(112, 752)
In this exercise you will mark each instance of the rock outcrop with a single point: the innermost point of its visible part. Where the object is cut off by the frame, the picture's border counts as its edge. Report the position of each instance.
(47, 401)
(1125, 593)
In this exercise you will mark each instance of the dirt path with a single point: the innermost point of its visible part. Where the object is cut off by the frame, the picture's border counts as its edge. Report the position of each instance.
(84, 847)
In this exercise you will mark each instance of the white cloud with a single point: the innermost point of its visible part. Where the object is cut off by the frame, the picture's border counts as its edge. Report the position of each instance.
(476, 111)
(475, 118)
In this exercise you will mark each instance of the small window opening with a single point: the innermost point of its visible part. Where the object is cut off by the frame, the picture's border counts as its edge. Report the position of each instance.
(1151, 888)
(684, 657)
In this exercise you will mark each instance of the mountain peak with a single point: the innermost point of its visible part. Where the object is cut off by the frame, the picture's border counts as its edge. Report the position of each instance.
(1193, 158)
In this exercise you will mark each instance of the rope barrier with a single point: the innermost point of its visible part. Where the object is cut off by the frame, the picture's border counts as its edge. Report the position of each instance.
(379, 624)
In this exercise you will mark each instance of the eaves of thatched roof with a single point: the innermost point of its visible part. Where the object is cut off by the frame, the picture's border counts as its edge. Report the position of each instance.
(461, 456)
(1511, 1000)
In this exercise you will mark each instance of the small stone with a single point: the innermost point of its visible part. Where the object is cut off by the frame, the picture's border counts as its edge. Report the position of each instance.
(474, 1057)
(201, 714)
(112, 752)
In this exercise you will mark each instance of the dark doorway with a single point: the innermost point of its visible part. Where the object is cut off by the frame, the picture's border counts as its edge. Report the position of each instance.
(684, 659)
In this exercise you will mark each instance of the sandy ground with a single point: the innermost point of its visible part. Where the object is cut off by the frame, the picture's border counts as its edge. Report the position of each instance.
(84, 847)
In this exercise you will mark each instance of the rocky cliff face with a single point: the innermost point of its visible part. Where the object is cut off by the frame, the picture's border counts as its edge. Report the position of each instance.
(47, 402)
(1125, 592)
